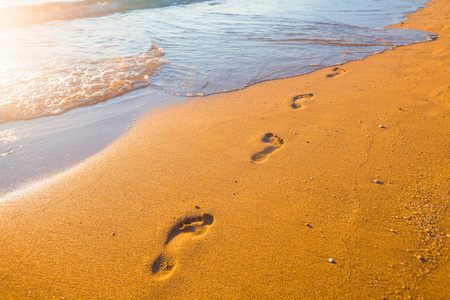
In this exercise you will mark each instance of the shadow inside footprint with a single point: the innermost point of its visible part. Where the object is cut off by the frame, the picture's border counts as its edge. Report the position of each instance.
(276, 143)
(336, 71)
(194, 224)
(163, 267)
(267, 137)
(296, 105)
(165, 264)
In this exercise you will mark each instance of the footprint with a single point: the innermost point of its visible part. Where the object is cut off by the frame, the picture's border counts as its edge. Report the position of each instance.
(336, 71)
(275, 142)
(296, 105)
(165, 264)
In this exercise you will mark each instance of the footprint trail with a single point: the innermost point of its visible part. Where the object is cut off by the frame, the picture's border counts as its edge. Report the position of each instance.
(275, 142)
(165, 264)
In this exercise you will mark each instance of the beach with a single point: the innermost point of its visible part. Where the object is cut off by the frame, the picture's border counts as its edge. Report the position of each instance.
(333, 184)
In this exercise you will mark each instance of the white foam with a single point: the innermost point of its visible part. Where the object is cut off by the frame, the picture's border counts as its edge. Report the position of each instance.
(63, 86)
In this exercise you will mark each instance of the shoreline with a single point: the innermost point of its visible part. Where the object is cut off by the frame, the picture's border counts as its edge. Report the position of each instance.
(332, 184)
(44, 147)
(38, 148)
(42, 173)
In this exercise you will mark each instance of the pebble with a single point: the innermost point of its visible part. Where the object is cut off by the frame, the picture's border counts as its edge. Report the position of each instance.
(377, 181)
(331, 261)
(381, 126)
(114, 234)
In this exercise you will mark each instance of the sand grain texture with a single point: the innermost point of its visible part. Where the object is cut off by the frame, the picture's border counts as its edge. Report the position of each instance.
(244, 196)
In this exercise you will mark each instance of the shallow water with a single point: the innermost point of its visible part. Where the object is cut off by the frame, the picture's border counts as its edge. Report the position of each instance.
(57, 56)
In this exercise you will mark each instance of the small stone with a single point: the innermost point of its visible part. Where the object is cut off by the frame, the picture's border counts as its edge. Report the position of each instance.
(114, 234)
(381, 126)
(197, 207)
(331, 261)
(376, 181)
(420, 257)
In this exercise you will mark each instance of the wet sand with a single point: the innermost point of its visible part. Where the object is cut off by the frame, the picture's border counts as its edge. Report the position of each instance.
(329, 185)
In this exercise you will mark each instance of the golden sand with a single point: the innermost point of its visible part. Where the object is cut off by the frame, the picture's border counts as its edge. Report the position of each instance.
(329, 185)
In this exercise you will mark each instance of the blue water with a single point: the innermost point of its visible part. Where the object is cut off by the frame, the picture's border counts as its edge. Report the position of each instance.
(58, 56)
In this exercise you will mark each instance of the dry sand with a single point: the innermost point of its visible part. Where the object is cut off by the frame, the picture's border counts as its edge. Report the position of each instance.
(250, 194)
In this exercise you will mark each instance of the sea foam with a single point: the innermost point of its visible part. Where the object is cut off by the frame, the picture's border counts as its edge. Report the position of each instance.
(59, 86)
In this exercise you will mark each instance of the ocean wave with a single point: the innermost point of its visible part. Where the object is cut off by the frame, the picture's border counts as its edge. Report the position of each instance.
(63, 85)
(22, 15)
